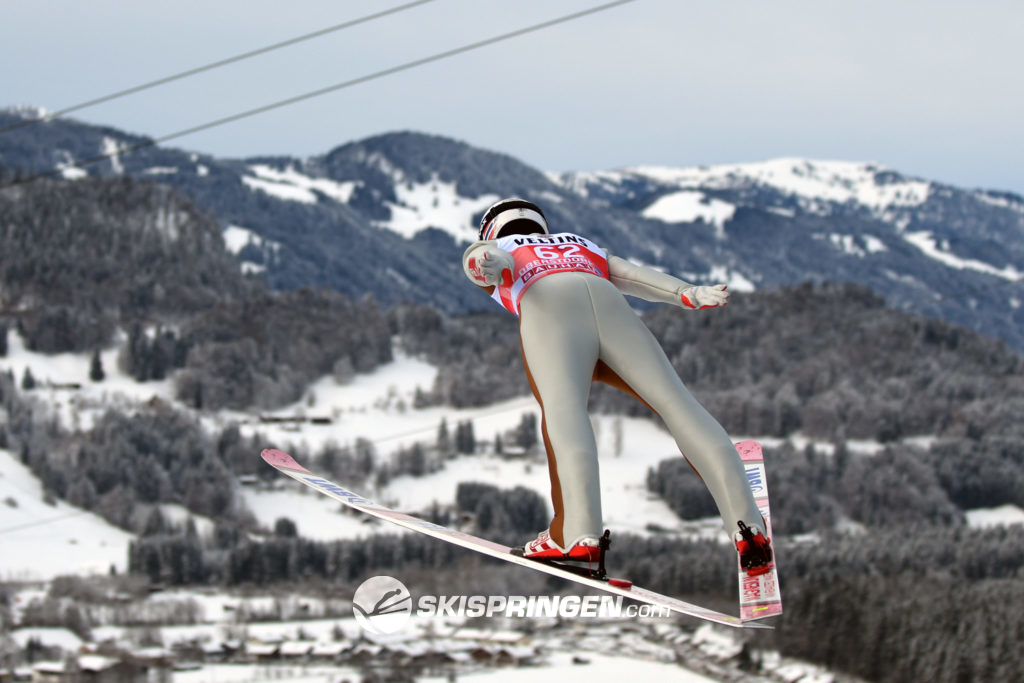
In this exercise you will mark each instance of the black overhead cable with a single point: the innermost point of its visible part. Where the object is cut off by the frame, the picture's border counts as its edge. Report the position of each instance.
(214, 65)
(78, 163)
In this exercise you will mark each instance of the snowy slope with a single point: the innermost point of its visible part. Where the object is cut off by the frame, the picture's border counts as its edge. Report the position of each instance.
(377, 407)
(792, 186)
(435, 204)
(56, 373)
(816, 186)
(292, 185)
(41, 540)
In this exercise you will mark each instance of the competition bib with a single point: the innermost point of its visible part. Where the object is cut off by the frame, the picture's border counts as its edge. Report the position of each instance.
(539, 255)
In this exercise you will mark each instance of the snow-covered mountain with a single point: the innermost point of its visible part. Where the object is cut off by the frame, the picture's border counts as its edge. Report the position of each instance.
(389, 216)
(788, 187)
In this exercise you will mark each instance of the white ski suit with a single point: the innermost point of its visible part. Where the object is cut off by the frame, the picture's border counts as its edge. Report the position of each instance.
(576, 327)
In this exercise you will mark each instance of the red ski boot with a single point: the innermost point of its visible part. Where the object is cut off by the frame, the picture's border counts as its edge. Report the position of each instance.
(586, 549)
(755, 550)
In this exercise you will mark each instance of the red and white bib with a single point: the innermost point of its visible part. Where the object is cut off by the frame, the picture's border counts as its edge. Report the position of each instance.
(538, 255)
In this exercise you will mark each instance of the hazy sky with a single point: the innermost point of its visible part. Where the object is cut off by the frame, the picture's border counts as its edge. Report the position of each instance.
(931, 88)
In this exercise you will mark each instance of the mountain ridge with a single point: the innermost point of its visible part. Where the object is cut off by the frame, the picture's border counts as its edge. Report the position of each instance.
(389, 215)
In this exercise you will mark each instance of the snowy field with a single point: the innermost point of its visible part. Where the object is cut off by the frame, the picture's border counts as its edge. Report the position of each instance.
(41, 540)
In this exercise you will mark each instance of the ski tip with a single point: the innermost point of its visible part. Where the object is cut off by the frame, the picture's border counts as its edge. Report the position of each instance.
(282, 460)
(749, 450)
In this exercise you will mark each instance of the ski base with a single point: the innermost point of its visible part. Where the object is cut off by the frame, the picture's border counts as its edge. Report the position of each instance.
(285, 464)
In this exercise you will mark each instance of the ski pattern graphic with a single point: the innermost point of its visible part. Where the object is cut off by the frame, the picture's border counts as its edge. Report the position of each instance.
(285, 464)
(760, 596)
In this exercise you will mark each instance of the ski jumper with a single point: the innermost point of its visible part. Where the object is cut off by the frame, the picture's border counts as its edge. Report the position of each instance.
(577, 327)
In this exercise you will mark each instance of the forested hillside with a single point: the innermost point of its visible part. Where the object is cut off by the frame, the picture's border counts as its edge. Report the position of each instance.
(78, 259)
(830, 361)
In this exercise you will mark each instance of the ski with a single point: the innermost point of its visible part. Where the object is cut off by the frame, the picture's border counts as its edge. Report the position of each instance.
(760, 596)
(285, 464)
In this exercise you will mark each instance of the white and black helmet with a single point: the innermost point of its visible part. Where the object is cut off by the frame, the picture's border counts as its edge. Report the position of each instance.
(512, 216)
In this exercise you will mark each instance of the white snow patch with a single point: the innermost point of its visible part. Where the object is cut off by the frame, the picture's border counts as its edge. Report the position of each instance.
(179, 515)
(73, 173)
(550, 197)
(42, 541)
(717, 643)
(814, 183)
(315, 516)
(1004, 515)
(735, 280)
(554, 177)
(834, 180)
(434, 204)
(927, 243)
(47, 636)
(874, 245)
(581, 182)
(28, 111)
(160, 170)
(1001, 202)
(112, 147)
(689, 206)
(850, 244)
(78, 408)
(291, 185)
(237, 238)
(67, 167)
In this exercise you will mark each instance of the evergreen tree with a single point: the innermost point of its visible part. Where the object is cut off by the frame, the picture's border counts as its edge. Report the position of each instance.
(285, 528)
(443, 438)
(465, 439)
(96, 373)
(526, 432)
(412, 460)
(156, 523)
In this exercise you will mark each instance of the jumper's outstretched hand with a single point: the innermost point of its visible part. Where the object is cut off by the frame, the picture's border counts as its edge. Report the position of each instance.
(491, 266)
(700, 297)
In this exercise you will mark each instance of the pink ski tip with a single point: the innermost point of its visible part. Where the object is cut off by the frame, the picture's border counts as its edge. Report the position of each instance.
(749, 450)
(282, 460)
